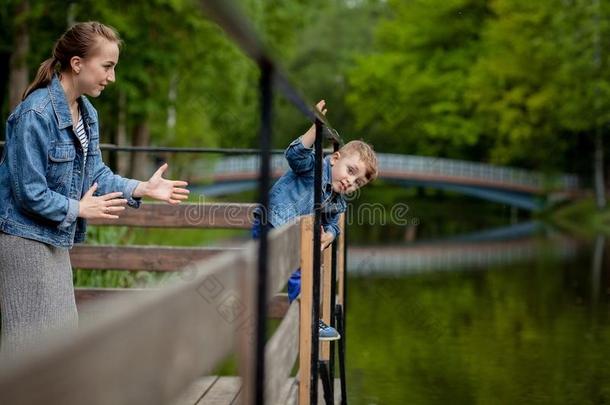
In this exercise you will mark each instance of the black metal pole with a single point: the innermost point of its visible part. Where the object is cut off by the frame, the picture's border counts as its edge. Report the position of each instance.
(333, 296)
(326, 383)
(345, 241)
(317, 233)
(333, 293)
(343, 318)
(265, 174)
(340, 324)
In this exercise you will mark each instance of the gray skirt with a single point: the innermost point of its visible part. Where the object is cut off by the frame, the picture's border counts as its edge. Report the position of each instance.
(36, 292)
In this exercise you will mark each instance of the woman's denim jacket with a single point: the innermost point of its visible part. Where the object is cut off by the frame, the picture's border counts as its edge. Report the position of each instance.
(42, 176)
(292, 195)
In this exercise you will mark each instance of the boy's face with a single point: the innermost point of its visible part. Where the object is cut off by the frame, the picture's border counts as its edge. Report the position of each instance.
(348, 173)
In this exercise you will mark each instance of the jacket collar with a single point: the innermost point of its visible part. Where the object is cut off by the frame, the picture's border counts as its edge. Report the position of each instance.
(61, 108)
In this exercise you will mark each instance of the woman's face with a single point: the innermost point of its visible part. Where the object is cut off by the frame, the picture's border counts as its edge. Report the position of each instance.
(97, 70)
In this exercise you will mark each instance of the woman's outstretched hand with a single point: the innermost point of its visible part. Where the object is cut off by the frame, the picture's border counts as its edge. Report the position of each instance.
(171, 191)
(105, 206)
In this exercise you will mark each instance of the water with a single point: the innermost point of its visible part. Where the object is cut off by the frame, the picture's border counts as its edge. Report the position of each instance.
(536, 331)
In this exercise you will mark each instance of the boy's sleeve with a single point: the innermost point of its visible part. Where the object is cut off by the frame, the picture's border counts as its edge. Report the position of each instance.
(300, 159)
(332, 224)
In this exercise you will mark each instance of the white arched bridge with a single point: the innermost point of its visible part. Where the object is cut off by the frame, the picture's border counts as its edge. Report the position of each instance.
(517, 187)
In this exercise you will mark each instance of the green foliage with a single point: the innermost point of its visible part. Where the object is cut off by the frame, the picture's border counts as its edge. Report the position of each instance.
(409, 94)
(582, 219)
(507, 81)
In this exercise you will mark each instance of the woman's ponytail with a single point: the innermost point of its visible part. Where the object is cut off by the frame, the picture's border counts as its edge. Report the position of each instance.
(43, 77)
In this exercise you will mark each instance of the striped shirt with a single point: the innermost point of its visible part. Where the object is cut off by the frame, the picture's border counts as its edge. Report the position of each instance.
(82, 136)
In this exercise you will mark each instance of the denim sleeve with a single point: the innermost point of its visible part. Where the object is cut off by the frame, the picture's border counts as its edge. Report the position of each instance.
(108, 182)
(332, 224)
(300, 159)
(27, 163)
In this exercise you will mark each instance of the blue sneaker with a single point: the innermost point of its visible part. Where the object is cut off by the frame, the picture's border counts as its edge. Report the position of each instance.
(328, 332)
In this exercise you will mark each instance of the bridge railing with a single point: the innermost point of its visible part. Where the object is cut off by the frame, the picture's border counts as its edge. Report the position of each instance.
(410, 165)
(147, 346)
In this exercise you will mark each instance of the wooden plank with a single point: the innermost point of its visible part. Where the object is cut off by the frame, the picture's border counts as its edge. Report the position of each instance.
(149, 258)
(341, 262)
(239, 398)
(337, 391)
(143, 350)
(89, 295)
(209, 215)
(277, 308)
(247, 340)
(83, 294)
(223, 392)
(284, 256)
(88, 298)
(325, 281)
(290, 391)
(280, 354)
(195, 391)
(305, 308)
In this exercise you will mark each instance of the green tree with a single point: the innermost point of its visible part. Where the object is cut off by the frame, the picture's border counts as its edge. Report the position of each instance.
(513, 84)
(408, 94)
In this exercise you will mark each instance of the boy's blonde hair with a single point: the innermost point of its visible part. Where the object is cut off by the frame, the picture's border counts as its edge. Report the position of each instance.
(367, 155)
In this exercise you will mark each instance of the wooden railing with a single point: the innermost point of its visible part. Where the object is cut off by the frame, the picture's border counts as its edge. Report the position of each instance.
(148, 347)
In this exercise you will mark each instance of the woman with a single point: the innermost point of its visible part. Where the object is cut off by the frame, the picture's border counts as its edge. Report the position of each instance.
(52, 179)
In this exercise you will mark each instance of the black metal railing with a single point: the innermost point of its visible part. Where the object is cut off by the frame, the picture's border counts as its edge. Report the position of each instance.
(238, 27)
(225, 14)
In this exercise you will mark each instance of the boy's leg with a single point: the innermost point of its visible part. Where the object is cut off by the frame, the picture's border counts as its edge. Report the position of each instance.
(294, 285)
(294, 282)
(256, 228)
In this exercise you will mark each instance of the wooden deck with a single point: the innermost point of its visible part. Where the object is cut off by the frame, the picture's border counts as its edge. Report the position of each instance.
(215, 390)
(153, 345)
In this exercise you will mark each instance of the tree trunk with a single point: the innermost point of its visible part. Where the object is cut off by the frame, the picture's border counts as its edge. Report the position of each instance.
(598, 159)
(18, 70)
(172, 97)
(139, 160)
(598, 170)
(597, 266)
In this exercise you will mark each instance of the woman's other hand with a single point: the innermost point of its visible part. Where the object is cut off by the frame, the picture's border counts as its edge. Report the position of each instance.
(105, 206)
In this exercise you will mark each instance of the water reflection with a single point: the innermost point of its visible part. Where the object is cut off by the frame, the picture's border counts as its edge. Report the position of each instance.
(482, 249)
(531, 331)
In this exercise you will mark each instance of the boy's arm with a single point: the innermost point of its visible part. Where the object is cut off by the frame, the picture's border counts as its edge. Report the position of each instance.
(299, 153)
(327, 238)
(330, 230)
(309, 138)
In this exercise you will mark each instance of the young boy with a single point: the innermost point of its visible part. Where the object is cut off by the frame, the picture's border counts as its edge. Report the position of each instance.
(343, 172)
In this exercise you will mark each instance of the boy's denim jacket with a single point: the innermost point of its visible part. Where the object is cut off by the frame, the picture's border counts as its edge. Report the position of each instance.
(42, 176)
(292, 195)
